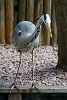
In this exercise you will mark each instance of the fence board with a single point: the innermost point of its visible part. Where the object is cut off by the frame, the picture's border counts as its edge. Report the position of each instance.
(15, 12)
(41, 13)
(9, 20)
(46, 9)
(22, 10)
(53, 26)
(30, 10)
(2, 21)
(38, 11)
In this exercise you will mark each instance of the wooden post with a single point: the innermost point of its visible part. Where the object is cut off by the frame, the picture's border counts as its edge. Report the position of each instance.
(46, 9)
(2, 21)
(41, 13)
(53, 25)
(38, 11)
(22, 10)
(9, 20)
(38, 8)
(14, 96)
(30, 10)
(15, 12)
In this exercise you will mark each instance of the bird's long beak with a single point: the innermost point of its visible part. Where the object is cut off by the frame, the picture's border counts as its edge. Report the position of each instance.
(49, 29)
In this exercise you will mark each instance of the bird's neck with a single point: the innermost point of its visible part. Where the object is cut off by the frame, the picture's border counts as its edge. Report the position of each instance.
(38, 26)
(40, 21)
(37, 30)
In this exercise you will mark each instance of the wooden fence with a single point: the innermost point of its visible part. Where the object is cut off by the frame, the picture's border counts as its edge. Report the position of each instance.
(14, 11)
(6, 21)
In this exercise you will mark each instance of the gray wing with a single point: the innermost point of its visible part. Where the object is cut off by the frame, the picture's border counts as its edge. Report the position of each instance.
(27, 29)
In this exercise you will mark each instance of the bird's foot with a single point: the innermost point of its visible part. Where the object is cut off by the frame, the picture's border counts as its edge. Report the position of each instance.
(32, 62)
(33, 87)
(13, 86)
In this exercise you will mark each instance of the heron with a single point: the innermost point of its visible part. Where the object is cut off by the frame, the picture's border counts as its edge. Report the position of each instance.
(26, 37)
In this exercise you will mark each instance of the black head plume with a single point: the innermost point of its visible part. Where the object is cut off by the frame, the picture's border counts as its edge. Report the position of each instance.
(45, 17)
(36, 19)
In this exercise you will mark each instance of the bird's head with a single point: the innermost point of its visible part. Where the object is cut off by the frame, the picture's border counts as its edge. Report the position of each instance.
(47, 21)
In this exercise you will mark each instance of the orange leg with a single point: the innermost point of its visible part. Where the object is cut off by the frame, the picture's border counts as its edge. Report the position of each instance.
(32, 85)
(14, 83)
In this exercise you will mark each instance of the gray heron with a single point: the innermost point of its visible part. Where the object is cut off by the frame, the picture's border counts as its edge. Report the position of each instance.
(26, 37)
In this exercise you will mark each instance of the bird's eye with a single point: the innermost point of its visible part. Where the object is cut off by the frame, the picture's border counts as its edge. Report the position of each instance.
(19, 33)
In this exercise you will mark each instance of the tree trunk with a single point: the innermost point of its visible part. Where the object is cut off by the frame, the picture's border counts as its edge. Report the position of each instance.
(46, 9)
(9, 20)
(53, 25)
(22, 10)
(2, 21)
(30, 10)
(61, 18)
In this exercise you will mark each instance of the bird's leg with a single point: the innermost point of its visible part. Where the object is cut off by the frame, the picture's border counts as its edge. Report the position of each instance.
(32, 57)
(14, 83)
(33, 85)
(20, 57)
(32, 60)
(32, 66)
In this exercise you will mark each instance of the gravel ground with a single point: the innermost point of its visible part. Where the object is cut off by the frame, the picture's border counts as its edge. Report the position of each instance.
(45, 60)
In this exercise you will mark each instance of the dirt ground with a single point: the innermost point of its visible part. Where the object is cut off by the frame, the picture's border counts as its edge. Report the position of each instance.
(45, 60)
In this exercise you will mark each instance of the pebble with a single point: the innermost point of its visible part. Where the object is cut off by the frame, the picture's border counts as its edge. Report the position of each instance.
(45, 58)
